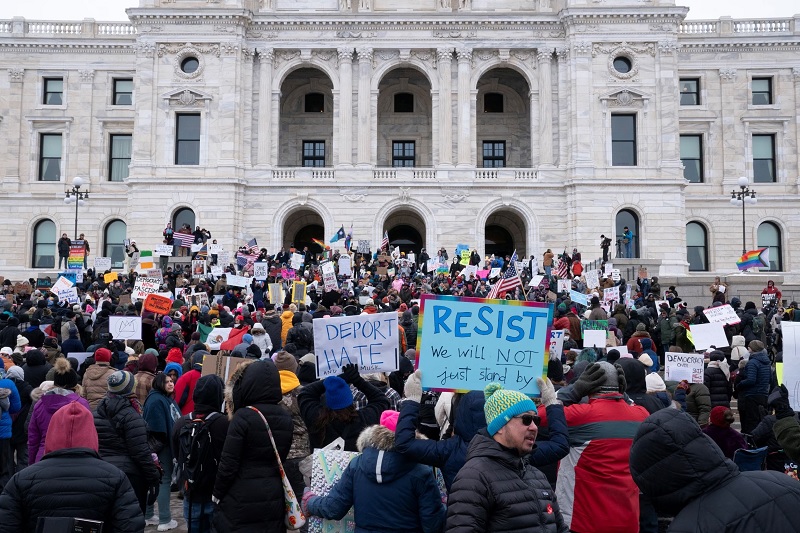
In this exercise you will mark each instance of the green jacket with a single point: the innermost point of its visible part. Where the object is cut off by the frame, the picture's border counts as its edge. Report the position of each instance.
(787, 431)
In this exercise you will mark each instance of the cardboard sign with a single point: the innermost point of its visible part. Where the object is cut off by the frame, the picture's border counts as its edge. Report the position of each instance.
(221, 365)
(101, 264)
(363, 247)
(466, 343)
(214, 248)
(465, 257)
(791, 361)
(69, 295)
(708, 335)
(611, 294)
(564, 285)
(261, 270)
(145, 286)
(680, 366)
(370, 341)
(723, 314)
(237, 281)
(299, 291)
(125, 327)
(556, 344)
(163, 249)
(155, 303)
(326, 469)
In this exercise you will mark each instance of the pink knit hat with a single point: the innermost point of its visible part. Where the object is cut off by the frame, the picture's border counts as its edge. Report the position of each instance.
(389, 419)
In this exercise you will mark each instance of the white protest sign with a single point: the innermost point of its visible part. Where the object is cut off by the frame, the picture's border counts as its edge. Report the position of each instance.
(237, 281)
(723, 314)
(61, 284)
(345, 268)
(297, 261)
(683, 366)
(708, 335)
(370, 341)
(101, 264)
(564, 285)
(611, 294)
(163, 249)
(261, 270)
(197, 247)
(520, 265)
(495, 273)
(556, 344)
(224, 257)
(125, 327)
(214, 248)
(217, 270)
(608, 268)
(432, 264)
(145, 286)
(628, 300)
(329, 275)
(69, 295)
(81, 356)
(155, 273)
(470, 270)
(615, 275)
(623, 351)
(535, 280)
(594, 338)
(791, 361)
(592, 279)
(363, 247)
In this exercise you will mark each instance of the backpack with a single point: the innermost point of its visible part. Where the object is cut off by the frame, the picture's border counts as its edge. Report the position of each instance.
(197, 466)
(758, 325)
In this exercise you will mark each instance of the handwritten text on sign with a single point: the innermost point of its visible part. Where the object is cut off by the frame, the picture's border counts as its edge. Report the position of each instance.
(466, 343)
(680, 366)
(370, 341)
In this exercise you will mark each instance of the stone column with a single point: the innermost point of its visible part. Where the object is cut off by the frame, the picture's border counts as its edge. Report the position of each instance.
(364, 122)
(796, 77)
(464, 140)
(445, 60)
(265, 56)
(544, 58)
(565, 112)
(345, 106)
(534, 127)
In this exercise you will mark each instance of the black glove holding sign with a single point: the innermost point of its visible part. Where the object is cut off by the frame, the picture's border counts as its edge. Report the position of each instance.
(779, 400)
(350, 373)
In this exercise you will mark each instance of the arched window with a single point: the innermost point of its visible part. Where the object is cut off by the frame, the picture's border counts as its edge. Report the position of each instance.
(44, 244)
(114, 242)
(183, 216)
(769, 236)
(696, 246)
(627, 219)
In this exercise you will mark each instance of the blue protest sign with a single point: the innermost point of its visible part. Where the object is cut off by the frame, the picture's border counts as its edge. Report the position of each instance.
(370, 341)
(69, 275)
(464, 344)
(579, 298)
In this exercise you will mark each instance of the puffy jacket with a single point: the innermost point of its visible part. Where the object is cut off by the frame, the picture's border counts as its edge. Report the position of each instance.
(600, 433)
(388, 491)
(498, 491)
(35, 367)
(122, 434)
(15, 406)
(273, 325)
(184, 390)
(757, 375)
(698, 403)
(635, 373)
(719, 386)
(68, 483)
(286, 325)
(95, 383)
(685, 475)
(787, 432)
(248, 482)
(43, 411)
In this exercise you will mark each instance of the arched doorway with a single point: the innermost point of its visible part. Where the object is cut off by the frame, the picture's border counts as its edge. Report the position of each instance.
(183, 216)
(301, 227)
(627, 219)
(406, 230)
(505, 232)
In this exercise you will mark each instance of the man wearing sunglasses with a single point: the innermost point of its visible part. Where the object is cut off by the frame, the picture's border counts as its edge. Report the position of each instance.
(497, 490)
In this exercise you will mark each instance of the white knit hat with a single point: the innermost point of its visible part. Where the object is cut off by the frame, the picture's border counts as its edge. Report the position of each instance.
(654, 383)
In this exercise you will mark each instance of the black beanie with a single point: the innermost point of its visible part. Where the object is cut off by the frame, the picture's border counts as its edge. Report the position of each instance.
(555, 371)
(64, 376)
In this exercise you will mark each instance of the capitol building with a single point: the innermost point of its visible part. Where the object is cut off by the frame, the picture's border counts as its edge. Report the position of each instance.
(500, 124)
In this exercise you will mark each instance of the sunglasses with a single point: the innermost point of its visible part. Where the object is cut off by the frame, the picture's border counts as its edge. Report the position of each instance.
(528, 419)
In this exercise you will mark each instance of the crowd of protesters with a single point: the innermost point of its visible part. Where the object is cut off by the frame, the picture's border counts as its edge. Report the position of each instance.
(605, 448)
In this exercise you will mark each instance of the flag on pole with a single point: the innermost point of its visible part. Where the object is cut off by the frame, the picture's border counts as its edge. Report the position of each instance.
(252, 247)
(385, 241)
(348, 239)
(509, 281)
(184, 239)
(562, 271)
(754, 259)
(319, 243)
(146, 259)
(202, 253)
(339, 235)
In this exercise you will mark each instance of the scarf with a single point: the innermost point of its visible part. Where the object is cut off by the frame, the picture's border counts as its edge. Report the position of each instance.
(722, 365)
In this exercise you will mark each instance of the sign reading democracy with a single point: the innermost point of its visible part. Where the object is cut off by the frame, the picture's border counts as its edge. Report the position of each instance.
(466, 343)
(145, 286)
(680, 366)
(370, 341)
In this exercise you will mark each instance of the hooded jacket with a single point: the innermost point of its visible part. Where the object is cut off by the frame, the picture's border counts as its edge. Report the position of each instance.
(388, 491)
(95, 383)
(35, 367)
(636, 389)
(14, 407)
(286, 325)
(248, 482)
(757, 375)
(184, 388)
(686, 475)
(274, 326)
(738, 351)
(498, 491)
(43, 411)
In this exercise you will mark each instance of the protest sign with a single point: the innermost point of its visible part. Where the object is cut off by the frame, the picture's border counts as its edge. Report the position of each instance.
(224, 257)
(768, 299)
(124, 299)
(329, 275)
(296, 261)
(483, 274)
(535, 280)
(69, 295)
(70, 275)
(432, 264)
(363, 247)
(125, 327)
(623, 350)
(680, 366)
(592, 279)
(791, 361)
(76, 253)
(579, 297)
(611, 294)
(465, 257)
(214, 248)
(564, 285)
(276, 294)
(217, 271)
(723, 314)
(260, 270)
(155, 303)
(589, 325)
(287, 273)
(470, 270)
(145, 286)
(61, 284)
(155, 273)
(327, 468)
(162, 249)
(198, 267)
(442, 269)
(220, 365)
(299, 291)
(370, 341)
(615, 275)
(44, 282)
(467, 343)
(81, 356)
(101, 264)
(237, 281)
(556, 344)
(594, 338)
(460, 248)
(608, 267)
(344, 266)
(708, 335)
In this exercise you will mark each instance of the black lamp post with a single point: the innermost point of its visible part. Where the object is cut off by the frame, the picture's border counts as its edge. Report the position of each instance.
(77, 196)
(745, 195)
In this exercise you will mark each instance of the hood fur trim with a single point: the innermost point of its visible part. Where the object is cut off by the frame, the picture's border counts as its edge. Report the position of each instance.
(378, 437)
(236, 376)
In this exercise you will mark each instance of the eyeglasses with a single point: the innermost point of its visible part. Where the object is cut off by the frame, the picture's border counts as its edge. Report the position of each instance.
(528, 419)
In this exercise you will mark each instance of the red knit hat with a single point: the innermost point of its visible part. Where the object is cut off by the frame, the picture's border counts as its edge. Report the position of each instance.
(102, 355)
(72, 426)
(175, 356)
(718, 416)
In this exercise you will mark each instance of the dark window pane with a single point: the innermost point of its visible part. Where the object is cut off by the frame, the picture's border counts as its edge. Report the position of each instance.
(623, 140)
(493, 103)
(313, 153)
(403, 103)
(622, 64)
(44, 245)
(692, 158)
(764, 158)
(120, 157)
(403, 153)
(494, 154)
(190, 65)
(123, 92)
(315, 103)
(50, 157)
(187, 140)
(690, 91)
(762, 91)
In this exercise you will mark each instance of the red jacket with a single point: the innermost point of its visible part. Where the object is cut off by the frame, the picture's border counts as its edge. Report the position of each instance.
(184, 390)
(595, 490)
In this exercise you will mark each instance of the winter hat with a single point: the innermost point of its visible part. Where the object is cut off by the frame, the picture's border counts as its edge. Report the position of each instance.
(555, 371)
(148, 362)
(716, 355)
(309, 358)
(121, 383)
(285, 361)
(64, 376)
(389, 419)
(749, 305)
(5, 350)
(72, 426)
(655, 383)
(173, 366)
(102, 355)
(721, 416)
(755, 346)
(337, 393)
(502, 405)
(175, 356)
(258, 327)
(611, 381)
(22, 341)
(641, 327)
(612, 356)
(51, 342)
(15, 372)
(197, 359)
(562, 308)
(646, 360)
(247, 338)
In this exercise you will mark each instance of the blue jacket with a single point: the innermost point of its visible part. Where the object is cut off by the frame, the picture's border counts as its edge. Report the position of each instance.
(450, 454)
(388, 491)
(15, 406)
(757, 376)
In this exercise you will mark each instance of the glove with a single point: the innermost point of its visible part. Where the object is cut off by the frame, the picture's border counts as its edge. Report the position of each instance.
(683, 385)
(590, 381)
(350, 373)
(623, 383)
(214, 500)
(307, 495)
(152, 494)
(413, 387)
(779, 400)
(548, 392)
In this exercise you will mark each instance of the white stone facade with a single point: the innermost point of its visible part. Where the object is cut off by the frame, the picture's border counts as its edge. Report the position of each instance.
(551, 60)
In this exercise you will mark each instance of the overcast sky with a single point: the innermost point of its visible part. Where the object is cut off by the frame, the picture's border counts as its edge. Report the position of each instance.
(115, 9)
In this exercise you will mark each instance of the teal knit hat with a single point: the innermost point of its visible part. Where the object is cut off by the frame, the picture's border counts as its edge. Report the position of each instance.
(502, 405)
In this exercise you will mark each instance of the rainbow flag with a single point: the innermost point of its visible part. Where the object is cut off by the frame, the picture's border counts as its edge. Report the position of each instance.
(319, 243)
(755, 259)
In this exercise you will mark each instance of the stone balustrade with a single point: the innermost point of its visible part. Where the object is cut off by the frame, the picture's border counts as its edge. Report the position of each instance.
(87, 28)
(727, 26)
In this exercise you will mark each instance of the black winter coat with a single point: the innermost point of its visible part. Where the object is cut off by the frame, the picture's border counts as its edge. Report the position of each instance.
(73, 482)
(122, 434)
(248, 482)
(36, 368)
(686, 475)
(272, 325)
(635, 373)
(19, 431)
(8, 337)
(719, 386)
(497, 490)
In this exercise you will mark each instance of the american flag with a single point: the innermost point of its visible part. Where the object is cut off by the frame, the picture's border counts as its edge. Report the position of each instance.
(561, 270)
(510, 279)
(184, 239)
(385, 241)
(252, 247)
(243, 259)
